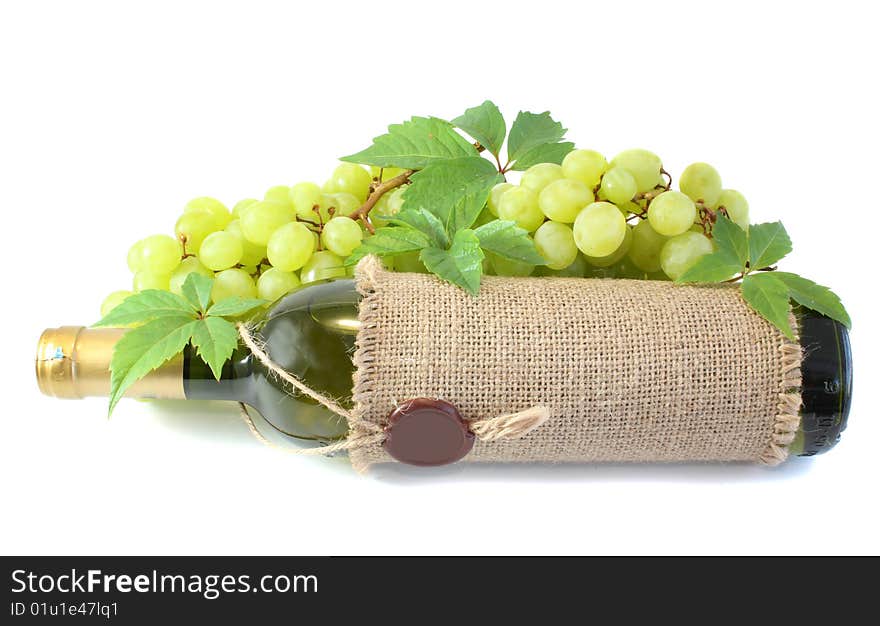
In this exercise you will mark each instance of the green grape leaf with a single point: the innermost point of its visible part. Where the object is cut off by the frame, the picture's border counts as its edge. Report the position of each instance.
(234, 306)
(143, 349)
(508, 240)
(215, 339)
(814, 296)
(414, 144)
(547, 153)
(769, 297)
(711, 268)
(768, 243)
(485, 124)
(732, 241)
(425, 221)
(461, 264)
(454, 190)
(390, 240)
(197, 290)
(531, 131)
(146, 306)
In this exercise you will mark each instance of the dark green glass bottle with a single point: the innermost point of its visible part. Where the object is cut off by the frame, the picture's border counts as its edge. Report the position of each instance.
(311, 334)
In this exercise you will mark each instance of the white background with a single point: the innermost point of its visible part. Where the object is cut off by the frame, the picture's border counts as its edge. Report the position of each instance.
(113, 115)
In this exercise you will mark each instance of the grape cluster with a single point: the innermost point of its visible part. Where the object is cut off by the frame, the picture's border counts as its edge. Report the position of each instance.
(587, 217)
(261, 248)
(592, 217)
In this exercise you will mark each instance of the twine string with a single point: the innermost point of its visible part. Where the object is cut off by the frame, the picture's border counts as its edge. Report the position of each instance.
(363, 433)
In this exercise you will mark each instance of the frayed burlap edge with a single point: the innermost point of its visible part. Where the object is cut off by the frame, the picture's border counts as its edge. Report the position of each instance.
(364, 356)
(785, 427)
(788, 418)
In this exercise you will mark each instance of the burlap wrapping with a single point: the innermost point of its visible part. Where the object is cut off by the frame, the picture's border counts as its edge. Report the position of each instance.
(631, 370)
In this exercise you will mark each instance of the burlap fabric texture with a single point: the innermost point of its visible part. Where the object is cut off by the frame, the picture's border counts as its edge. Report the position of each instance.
(642, 371)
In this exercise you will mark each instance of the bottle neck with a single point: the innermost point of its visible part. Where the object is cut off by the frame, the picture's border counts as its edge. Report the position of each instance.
(235, 383)
(74, 362)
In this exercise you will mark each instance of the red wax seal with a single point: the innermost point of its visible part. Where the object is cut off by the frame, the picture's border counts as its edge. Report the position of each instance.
(427, 432)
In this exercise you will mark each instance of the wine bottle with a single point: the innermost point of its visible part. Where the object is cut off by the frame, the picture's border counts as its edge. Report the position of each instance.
(311, 334)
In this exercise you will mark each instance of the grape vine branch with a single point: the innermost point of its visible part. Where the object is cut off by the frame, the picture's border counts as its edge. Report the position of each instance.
(362, 213)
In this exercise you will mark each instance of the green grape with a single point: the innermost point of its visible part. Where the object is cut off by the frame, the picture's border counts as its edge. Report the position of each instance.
(587, 166)
(145, 279)
(112, 301)
(599, 229)
(577, 269)
(508, 267)
(321, 266)
(305, 196)
(737, 207)
(341, 236)
(408, 262)
(387, 206)
(643, 165)
(251, 253)
(274, 283)
(395, 201)
(619, 186)
(279, 194)
(213, 206)
(159, 254)
(671, 213)
(555, 242)
(261, 220)
(344, 203)
(495, 196)
(617, 255)
(233, 283)
(189, 265)
(383, 174)
(701, 181)
(193, 226)
(521, 206)
(563, 199)
(220, 251)
(290, 246)
(241, 206)
(326, 208)
(135, 257)
(645, 249)
(539, 176)
(681, 252)
(349, 178)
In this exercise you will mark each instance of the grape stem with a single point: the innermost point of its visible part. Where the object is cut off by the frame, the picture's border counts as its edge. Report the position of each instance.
(747, 271)
(309, 222)
(708, 217)
(183, 253)
(363, 212)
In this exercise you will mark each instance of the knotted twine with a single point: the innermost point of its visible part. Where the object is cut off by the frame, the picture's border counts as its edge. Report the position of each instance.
(363, 433)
